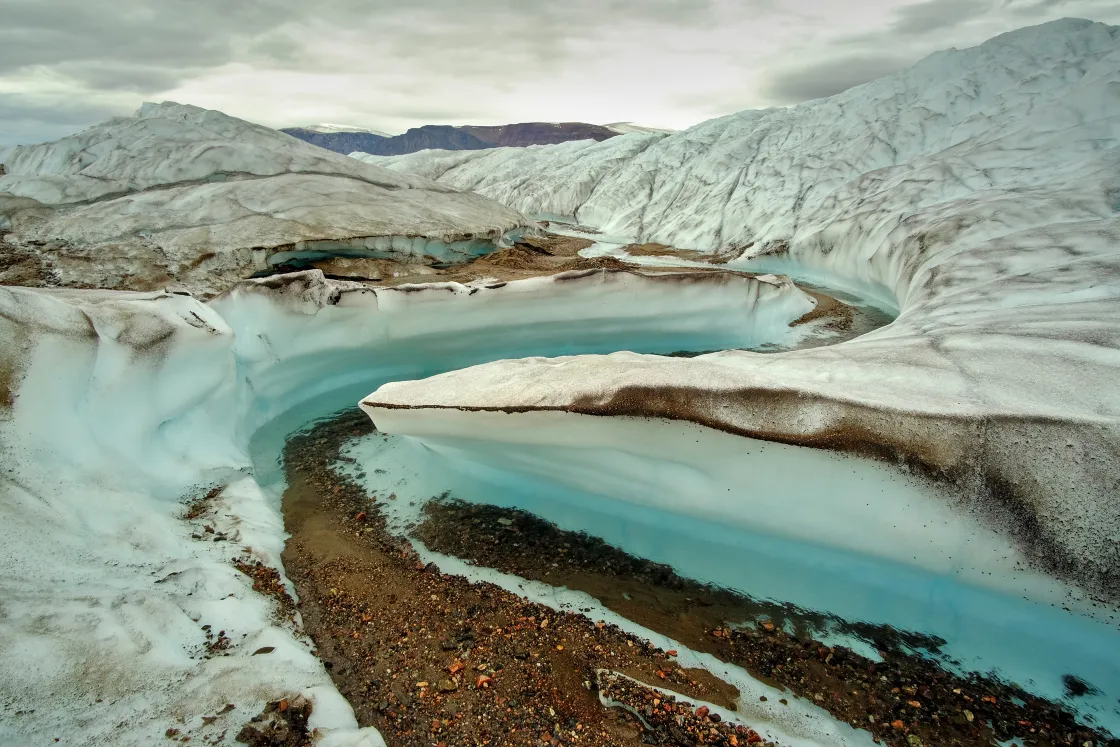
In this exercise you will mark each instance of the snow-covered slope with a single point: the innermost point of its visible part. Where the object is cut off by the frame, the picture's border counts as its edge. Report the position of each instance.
(625, 128)
(555, 179)
(182, 194)
(328, 128)
(979, 186)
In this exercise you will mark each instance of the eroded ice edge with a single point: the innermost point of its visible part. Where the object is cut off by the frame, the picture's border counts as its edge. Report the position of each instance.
(824, 531)
(405, 472)
(122, 404)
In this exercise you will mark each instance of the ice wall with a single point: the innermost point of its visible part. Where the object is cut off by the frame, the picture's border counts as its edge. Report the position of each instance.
(979, 188)
(809, 527)
(181, 195)
(115, 407)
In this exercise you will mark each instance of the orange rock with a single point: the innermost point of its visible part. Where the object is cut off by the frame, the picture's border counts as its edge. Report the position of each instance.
(361, 516)
(671, 652)
(283, 706)
(483, 681)
(898, 725)
(456, 667)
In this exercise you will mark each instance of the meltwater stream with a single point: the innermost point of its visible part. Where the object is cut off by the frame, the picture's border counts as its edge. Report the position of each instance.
(590, 487)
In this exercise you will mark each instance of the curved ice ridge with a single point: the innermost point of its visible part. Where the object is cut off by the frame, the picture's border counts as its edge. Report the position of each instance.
(979, 186)
(178, 195)
(114, 406)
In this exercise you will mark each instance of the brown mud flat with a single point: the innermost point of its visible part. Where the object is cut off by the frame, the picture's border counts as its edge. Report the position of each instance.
(528, 258)
(653, 249)
(432, 659)
(906, 699)
(838, 316)
(22, 266)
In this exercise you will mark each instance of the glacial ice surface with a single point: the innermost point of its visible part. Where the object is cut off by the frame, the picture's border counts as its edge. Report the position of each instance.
(178, 194)
(976, 191)
(978, 187)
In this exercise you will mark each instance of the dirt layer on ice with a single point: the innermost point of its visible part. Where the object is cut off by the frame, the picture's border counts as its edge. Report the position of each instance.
(653, 249)
(528, 258)
(904, 700)
(532, 256)
(432, 659)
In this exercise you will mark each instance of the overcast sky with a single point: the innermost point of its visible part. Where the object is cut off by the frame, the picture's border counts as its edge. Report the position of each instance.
(394, 64)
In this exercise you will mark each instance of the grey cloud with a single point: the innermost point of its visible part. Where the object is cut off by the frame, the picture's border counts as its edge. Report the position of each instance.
(120, 77)
(828, 77)
(147, 47)
(31, 120)
(936, 15)
(851, 60)
(1107, 11)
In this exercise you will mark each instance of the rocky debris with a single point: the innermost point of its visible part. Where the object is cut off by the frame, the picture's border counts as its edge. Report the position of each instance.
(283, 723)
(24, 265)
(267, 581)
(429, 658)
(906, 695)
(653, 249)
(556, 245)
(217, 644)
(202, 505)
(670, 721)
(572, 226)
(373, 270)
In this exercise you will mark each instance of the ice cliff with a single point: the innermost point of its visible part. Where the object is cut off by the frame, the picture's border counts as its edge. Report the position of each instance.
(178, 195)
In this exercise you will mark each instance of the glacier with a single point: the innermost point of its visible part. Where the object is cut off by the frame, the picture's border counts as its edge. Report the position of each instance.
(192, 198)
(951, 472)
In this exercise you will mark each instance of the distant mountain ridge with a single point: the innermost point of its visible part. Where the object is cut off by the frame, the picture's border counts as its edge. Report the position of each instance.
(448, 137)
(339, 142)
(539, 133)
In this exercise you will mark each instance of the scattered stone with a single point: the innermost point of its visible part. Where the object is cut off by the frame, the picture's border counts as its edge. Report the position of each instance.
(283, 723)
